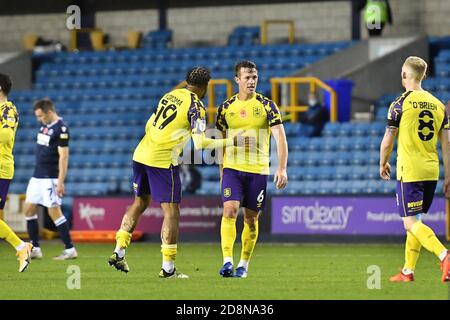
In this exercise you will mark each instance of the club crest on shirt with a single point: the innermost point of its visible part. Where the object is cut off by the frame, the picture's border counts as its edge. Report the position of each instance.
(227, 192)
(243, 113)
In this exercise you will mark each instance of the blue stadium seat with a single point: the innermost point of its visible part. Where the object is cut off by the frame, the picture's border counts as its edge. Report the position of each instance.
(331, 129)
(360, 129)
(342, 172)
(357, 172)
(343, 186)
(298, 143)
(326, 187)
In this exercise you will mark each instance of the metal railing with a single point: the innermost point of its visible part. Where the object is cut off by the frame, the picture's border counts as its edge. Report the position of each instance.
(265, 28)
(294, 107)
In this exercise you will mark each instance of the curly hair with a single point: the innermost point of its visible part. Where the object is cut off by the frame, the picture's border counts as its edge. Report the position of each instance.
(198, 76)
(5, 83)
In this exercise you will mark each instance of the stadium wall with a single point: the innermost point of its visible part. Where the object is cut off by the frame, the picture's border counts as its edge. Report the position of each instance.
(14, 27)
(315, 22)
(18, 66)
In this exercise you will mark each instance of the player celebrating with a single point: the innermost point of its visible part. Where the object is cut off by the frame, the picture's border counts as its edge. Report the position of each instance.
(419, 119)
(244, 174)
(46, 187)
(9, 122)
(179, 115)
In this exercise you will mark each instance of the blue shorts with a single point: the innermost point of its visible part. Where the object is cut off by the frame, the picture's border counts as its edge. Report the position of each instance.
(4, 187)
(414, 197)
(164, 185)
(248, 188)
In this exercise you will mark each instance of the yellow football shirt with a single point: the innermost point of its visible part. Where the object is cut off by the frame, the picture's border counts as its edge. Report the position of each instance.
(9, 124)
(255, 116)
(169, 129)
(420, 117)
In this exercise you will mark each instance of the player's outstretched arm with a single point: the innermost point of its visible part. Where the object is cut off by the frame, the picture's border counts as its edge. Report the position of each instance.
(444, 136)
(385, 152)
(280, 178)
(202, 142)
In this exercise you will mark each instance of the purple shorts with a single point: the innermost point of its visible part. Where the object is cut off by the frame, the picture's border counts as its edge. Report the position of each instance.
(4, 187)
(164, 185)
(414, 197)
(248, 188)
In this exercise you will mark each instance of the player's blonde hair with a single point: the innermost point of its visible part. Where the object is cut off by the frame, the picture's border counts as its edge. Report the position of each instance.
(418, 67)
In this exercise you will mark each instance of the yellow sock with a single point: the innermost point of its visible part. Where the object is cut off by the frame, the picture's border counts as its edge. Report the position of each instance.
(412, 251)
(427, 238)
(123, 239)
(169, 253)
(228, 236)
(9, 235)
(249, 237)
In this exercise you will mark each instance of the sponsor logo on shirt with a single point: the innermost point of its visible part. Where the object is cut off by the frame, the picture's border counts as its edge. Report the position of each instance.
(257, 112)
(43, 139)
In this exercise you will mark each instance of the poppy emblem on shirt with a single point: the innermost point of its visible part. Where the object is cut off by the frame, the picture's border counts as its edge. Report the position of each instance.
(45, 131)
(243, 113)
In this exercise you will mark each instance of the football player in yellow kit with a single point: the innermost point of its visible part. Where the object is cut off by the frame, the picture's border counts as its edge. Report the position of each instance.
(9, 122)
(180, 115)
(244, 174)
(418, 120)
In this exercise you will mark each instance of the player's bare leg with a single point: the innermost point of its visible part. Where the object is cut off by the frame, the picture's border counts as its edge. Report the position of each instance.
(249, 238)
(169, 240)
(123, 236)
(228, 235)
(31, 218)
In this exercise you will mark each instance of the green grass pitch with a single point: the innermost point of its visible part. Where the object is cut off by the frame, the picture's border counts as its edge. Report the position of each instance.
(277, 271)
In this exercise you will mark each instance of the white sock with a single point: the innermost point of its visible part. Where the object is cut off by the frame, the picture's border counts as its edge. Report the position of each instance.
(21, 246)
(37, 249)
(120, 252)
(227, 259)
(168, 266)
(243, 263)
(407, 271)
(442, 255)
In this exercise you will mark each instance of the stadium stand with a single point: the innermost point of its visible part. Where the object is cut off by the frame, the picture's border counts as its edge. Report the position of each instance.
(107, 97)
